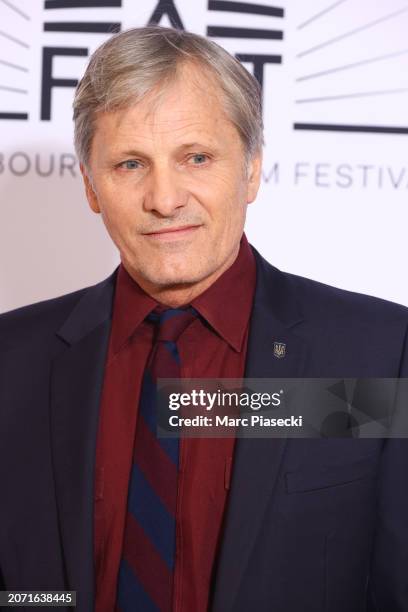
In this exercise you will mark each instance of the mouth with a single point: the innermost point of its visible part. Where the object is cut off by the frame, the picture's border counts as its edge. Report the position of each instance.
(173, 233)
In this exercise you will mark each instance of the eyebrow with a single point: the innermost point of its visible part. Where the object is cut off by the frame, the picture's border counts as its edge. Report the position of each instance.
(187, 145)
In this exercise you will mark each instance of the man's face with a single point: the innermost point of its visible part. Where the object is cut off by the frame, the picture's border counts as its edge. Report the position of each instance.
(170, 180)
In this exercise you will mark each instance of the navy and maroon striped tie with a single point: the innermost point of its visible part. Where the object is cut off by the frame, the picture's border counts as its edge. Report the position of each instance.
(145, 581)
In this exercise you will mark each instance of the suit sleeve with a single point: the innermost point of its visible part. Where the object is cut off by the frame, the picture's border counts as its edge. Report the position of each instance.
(388, 584)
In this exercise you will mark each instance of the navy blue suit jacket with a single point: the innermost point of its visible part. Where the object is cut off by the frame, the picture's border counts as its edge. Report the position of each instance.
(312, 525)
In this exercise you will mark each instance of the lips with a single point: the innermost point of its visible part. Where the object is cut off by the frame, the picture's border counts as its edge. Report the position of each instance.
(172, 231)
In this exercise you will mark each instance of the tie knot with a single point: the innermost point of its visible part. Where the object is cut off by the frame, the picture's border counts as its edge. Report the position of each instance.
(171, 322)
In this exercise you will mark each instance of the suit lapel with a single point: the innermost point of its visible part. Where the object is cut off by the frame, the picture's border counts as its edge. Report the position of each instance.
(76, 383)
(257, 461)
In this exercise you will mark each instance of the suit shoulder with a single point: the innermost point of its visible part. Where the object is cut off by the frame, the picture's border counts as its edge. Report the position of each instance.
(351, 333)
(323, 301)
(37, 321)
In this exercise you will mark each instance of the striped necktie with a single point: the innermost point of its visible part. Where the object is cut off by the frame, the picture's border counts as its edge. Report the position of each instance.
(145, 581)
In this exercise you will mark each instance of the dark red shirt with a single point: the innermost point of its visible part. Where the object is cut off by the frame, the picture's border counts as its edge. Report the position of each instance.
(216, 350)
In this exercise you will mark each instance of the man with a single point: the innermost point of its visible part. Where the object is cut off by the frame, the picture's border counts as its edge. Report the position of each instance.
(168, 131)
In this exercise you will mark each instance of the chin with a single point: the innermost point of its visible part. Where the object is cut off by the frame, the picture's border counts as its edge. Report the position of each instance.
(164, 281)
(167, 276)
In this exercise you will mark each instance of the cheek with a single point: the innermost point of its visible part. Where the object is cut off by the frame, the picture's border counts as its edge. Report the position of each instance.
(118, 216)
(221, 194)
(114, 201)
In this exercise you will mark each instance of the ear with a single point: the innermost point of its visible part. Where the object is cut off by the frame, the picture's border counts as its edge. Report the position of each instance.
(254, 176)
(89, 190)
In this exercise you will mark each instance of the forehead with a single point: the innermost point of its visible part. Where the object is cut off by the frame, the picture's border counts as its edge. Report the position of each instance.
(190, 107)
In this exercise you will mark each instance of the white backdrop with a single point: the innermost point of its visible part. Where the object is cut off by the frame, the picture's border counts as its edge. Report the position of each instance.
(333, 202)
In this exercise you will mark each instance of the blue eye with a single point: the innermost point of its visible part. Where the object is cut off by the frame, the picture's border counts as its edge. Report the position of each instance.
(130, 164)
(200, 158)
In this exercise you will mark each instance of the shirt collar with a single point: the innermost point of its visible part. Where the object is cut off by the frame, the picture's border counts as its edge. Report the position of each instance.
(131, 307)
(226, 305)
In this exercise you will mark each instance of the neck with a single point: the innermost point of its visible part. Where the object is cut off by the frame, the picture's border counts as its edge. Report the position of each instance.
(181, 294)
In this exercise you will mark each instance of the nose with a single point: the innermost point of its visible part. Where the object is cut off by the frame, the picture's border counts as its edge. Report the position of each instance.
(164, 194)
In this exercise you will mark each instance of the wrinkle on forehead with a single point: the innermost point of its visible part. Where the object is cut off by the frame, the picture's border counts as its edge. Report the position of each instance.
(191, 82)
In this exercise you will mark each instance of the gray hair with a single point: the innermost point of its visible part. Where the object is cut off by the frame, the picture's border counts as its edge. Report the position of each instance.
(131, 64)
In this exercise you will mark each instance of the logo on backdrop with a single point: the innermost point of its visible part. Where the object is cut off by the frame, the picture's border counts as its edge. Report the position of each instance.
(163, 9)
